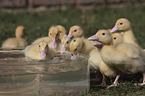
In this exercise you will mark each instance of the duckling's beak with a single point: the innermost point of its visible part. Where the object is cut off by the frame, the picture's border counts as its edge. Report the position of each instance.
(70, 35)
(97, 44)
(42, 53)
(94, 37)
(115, 28)
(53, 43)
(64, 35)
(73, 56)
(62, 49)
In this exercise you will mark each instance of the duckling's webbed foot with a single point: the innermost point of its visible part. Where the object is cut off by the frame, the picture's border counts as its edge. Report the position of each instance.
(143, 83)
(115, 82)
(113, 85)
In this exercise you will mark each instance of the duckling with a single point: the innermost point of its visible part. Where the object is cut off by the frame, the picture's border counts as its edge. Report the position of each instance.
(54, 36)
(126, 57)
(39, 51)
(62, 31)
(117, 39)
(80, 45)
(17, 42)
(52, 39)
(128, 36)
(65, 44)
(76, 31)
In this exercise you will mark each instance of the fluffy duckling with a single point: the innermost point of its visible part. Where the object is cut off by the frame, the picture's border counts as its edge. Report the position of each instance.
(39, 51)
(17, 42)
(117, 39)
(80, 45)
(62, 31)
(53, 39)
(128, 36)
(76, 31)
(126, 56)
(54, 36)
(65, 41)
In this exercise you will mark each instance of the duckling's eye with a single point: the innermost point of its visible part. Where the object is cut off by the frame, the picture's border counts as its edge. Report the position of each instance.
(46, 46)
(75, 30)
(67, 42)
(39, 46)
(114, 38)
(121, 23)
(50, 33)
(76, 49)
(74, 40)
(103, 33)
(60, 32)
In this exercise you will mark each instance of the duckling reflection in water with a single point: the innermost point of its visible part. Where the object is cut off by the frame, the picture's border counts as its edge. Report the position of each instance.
(39, 51)
(18, 42)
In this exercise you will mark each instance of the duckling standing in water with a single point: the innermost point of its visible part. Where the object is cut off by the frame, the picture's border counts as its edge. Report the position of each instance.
(39, 51)
(80, 45)
(126, 57)
(62, 32)
(18, 42)
(53, 39)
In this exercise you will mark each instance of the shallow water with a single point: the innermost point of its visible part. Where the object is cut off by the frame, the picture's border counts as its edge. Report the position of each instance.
(58, 76)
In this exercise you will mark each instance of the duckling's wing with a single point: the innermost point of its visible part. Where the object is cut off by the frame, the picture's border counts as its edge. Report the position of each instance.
(130, 50)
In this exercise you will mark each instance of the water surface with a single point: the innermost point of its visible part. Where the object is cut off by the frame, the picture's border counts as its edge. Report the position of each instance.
(58, 76)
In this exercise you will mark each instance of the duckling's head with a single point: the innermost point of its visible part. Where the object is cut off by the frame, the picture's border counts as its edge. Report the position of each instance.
(54, 35)
(20, 31)
(117, 38)
(75, 46)
(43, 48)
(76, 31)
(121, 24)
(62, 31)
(65, 43)
(102, 36)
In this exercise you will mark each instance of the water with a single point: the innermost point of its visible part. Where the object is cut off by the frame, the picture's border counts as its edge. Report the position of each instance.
(59, 76)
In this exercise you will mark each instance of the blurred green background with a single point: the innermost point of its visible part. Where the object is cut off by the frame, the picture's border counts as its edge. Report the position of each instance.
(38, 23)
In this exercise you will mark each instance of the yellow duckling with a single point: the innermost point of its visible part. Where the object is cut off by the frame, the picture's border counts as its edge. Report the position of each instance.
(53, 39)
(76, 31)
(17, 42)
(65, 41)
(80, 45)
(128, 36)
(39, 51)
(62, 31)
(117, 39)
(126, 57)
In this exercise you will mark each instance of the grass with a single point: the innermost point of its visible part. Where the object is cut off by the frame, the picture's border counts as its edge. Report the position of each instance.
(37, 25)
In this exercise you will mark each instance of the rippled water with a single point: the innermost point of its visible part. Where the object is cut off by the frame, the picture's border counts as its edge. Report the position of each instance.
(58, 76)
